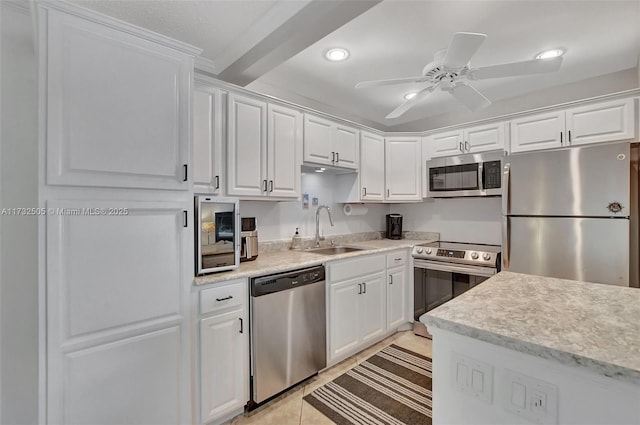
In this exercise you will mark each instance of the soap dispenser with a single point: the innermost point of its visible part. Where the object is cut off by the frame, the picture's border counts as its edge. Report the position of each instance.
(296, 240)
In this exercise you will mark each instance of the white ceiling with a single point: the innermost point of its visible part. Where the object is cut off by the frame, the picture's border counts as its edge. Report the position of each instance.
(396, 38)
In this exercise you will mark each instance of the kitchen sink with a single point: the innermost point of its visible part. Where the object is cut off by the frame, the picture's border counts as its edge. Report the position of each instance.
(333, 250)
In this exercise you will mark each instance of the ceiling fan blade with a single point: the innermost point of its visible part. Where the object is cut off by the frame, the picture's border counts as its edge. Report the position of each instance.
(533, 66)
(470, 97)
(463, 46)
(411, 102)
(377, 83)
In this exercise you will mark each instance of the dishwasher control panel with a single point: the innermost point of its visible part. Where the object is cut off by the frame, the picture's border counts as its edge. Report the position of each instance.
(279, 282)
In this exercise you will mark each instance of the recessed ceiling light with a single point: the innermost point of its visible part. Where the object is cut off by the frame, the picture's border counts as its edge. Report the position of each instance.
(548, 54)
(410, 95)
(337, 54)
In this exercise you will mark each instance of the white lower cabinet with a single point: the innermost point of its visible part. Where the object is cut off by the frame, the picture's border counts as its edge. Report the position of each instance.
(398, 308)
(224, 351)
(117, 347)
(364, 305)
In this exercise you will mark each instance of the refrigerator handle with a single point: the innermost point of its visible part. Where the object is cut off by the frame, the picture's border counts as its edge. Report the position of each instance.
(506, 237)
(506, 178)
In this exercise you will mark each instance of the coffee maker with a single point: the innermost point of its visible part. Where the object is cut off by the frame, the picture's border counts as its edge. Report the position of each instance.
(394, 226)
(248, 239)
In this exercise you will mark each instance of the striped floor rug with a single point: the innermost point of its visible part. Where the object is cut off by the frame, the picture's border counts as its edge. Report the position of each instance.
(392, 387)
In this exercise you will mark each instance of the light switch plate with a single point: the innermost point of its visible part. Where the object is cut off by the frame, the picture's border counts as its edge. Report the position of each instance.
(473, 377)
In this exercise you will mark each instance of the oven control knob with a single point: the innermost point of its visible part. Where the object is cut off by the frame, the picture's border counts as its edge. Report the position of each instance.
(474, 255)
(486, 256)
(419, 250)
(428, 251)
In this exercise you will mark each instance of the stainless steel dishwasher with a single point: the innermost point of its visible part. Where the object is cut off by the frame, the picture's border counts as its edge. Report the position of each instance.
(288, 330)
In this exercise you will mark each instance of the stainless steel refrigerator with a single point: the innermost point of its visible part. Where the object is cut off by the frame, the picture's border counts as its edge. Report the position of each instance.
(572, 213)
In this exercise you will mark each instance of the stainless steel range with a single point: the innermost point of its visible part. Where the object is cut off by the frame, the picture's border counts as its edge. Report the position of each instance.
(444, 270)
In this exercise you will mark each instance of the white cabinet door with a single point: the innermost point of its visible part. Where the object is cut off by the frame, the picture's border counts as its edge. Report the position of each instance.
(402, 168)
(446, 144)
(371, 167)
(346, 144)
(283, 149)
(247, 136)
(224, 362)
(207, 140)
(117, 312)
(344, 312)
(318, 140)
(601, 122)
(542, 131)
(117, 107)
(396, 297)
(484, 138)
(373, 307)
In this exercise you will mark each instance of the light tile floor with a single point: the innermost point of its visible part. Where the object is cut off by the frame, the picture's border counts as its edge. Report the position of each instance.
(291, 409)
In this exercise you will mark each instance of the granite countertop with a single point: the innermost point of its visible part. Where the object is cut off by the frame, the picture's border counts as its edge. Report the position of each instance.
(587, 325)
(273, 262)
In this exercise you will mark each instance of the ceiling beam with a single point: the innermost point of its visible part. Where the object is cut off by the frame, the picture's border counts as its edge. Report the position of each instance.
(299, 29)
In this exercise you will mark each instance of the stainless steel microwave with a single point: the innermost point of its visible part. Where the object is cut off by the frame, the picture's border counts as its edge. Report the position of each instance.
(217, 237)
(465, 175)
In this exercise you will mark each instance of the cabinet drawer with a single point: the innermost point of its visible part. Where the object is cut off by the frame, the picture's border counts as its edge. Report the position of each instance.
(397, 258)
(348, 269)
(226, 296)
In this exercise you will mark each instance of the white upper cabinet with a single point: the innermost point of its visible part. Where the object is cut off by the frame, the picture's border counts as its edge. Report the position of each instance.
(593, 123)
(117, 106)
(446, 144)
(264, 143)
(330, 143)
(484, 138)
(601, 122)
(468, 140)
(535, 132)
(403, 172)
(284, 146)
(207, 140)
(426, 155)
(247, 146)
(346, 145)
(371, 167)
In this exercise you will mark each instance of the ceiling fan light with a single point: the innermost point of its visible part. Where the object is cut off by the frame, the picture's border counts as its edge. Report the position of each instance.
(337, 54)
(548, 54)
(410, 95)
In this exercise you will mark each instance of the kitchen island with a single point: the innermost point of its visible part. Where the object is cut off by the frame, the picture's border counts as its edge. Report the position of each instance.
(516, 338)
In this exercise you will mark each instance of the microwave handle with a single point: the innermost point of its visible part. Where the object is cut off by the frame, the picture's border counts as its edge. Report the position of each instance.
(481, 176)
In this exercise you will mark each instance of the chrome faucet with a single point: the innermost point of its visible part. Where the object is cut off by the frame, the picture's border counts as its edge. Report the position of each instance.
(318, 237)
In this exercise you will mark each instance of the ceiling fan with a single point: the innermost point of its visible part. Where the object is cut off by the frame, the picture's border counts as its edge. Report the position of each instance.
(451, 72)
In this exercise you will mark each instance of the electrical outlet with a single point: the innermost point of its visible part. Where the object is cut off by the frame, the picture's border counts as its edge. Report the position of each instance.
(531, 398)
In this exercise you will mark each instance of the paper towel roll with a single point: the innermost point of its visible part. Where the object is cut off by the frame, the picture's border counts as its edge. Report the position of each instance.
(351, 209)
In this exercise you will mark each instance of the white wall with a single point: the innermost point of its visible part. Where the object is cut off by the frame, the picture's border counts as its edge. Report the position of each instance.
(18, 245)
(474, 220)
(278, 220)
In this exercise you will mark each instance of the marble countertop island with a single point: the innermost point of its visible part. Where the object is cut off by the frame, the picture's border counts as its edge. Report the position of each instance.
(587, 325)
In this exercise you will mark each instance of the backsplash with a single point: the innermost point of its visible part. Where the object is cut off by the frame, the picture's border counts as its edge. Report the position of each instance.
(278, 220)
(346, 239)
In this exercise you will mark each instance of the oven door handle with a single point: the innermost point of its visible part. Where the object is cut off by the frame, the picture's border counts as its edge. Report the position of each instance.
(454, 268)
